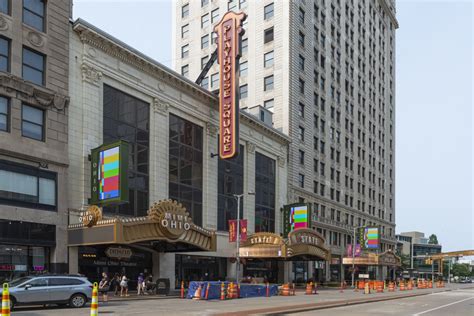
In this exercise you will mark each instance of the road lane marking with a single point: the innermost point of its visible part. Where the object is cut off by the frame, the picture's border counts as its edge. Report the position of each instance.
(443, 306)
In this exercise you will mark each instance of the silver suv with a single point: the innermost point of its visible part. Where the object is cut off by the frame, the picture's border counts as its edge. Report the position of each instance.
(70, 290)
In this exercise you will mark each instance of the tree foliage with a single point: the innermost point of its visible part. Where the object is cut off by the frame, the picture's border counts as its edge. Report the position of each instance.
(433, 240)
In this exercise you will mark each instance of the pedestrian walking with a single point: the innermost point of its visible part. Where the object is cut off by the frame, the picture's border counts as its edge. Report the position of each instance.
(124, 286)
(115, 284)
(104, 286)
(141, 284)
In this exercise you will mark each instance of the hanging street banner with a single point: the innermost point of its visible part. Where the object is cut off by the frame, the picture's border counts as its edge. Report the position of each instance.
(369, 237)
(109, 178)
(229, 31)
(233, 230)
(357, 250)
(296, 216)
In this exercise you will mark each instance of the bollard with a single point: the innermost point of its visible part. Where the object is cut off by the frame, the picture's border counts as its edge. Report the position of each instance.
(5, 300)
(182, 289)
(222, 291)
(95, 301)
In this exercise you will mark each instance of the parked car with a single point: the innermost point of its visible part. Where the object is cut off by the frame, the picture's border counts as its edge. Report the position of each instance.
(72, 290)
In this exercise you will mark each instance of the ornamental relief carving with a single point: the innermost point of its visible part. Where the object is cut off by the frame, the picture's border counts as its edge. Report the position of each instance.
(160, 106)
(281, 161)
(27, 92)
(91, 75)
(3, 24)
(250, 147)
(35, 39)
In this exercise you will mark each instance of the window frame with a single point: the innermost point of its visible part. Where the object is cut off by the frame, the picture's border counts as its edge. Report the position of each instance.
(7, 114)
(267, 31)
(270, 14)
(9, 52)
(246, 91)
(43, 72)
(43, 127)
(43, 28)
(265, 86)
(268, 62)
(185, 13)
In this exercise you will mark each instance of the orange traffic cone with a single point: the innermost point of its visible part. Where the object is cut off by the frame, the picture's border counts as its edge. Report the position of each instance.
(309, 288)
(197, 294)
(182, 289)
(206, 297)
(95, 300)
(222, 291)
(5, 300)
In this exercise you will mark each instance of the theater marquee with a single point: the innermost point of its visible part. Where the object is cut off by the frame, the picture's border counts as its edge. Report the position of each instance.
(229, 31)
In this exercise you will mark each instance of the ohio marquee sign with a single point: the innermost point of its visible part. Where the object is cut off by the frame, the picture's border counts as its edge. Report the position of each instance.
(229, 31)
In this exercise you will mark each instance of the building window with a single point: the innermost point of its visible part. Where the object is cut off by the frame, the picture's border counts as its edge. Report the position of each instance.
(268, 83)
(301, 110)
(5, 6)
(301, 62)
(230, 181)
(301, 133)
(268, 12)
(301, 86)
(269, 104)
(185, 51)
(205, 82)
(301, 180)
(301, 38)
(243, 68)
(214, 15)
(185, 70)
(204, 3)
(204, 61)
(268, 59)
(33, 66)
(4, 114)
(268, 35)
(205, 41)
(185, 11)
(301, 16)
(27, 186)
(205, 20)
(32, 122)
(33, 14)
(231, 5)
(301, 157)
(128, 118)
(243, 4)
(184, 30)
(243, 91)
(265, 193)
(185, 165)
(245, 45)
(4, 54)
(215, 80)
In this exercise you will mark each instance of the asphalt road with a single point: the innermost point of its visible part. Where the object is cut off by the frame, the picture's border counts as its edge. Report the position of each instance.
(459, 302)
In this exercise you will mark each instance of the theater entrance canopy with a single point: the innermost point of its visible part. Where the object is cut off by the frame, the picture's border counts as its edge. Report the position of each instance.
(388, 258)
(301, 245)
(167, 228)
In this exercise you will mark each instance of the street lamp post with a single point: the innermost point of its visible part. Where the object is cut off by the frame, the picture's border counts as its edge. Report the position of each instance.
(237, 266)
(353, 256)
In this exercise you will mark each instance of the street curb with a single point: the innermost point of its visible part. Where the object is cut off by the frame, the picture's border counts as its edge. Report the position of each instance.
(276, 311)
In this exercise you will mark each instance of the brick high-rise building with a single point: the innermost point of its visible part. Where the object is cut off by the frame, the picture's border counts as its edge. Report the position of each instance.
(34, 67)
(326, 70)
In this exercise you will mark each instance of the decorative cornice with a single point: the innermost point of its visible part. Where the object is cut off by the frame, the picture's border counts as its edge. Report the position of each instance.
(95, 37)
(90, 74)
(160, 106)
(211, 129)
(30, 93)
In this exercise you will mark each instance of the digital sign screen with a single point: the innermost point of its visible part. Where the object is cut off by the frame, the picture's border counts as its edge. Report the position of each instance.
(369, 238)
(109, 178)
(296, 216)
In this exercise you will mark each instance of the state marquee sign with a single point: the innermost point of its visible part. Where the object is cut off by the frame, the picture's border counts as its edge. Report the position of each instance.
(229, 31)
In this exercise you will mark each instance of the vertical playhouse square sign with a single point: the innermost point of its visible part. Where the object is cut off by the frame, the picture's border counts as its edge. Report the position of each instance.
(109, 179)
(229, 31)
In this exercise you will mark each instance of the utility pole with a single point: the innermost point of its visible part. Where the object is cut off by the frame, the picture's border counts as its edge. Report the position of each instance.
(353, 256)
(237, 267)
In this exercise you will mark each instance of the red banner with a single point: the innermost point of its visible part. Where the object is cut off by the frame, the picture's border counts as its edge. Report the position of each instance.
(243, 230)
(228, 32)
(232, 230)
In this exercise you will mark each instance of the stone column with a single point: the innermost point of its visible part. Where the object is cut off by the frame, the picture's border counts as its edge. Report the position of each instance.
(249, 186)
(167, 267)
(155, 270)
(73, 260)
(159, 150)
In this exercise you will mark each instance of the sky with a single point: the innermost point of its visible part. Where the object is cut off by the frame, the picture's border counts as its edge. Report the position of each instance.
(434, 133)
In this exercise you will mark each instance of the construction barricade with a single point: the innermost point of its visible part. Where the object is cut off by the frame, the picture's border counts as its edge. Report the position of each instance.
(5, 300)
(246, 290)
(95, 300)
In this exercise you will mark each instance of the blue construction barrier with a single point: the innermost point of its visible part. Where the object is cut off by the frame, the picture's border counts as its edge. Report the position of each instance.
(246, 290)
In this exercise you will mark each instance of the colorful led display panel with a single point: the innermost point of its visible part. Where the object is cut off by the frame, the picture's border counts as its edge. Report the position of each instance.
(369, 238)
(296, 216)
(109, 178)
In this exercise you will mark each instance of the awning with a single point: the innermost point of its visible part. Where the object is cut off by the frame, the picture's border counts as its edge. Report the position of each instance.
(167, 228)
(388, 258)
(301, 245)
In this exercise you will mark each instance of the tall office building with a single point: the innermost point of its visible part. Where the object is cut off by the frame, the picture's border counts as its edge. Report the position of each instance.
(326, 71)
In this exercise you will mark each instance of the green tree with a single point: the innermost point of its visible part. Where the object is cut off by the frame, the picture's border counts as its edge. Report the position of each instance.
(433, 239)
(405, 261)
(461, 270)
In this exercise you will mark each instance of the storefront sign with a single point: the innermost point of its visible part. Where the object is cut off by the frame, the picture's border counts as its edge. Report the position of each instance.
(388, 259)
(172, 217)
(229, 31)
(119, 253)
(91, 216)
(109, 178)
(363, 276)
(296, 216)
(369, 237)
